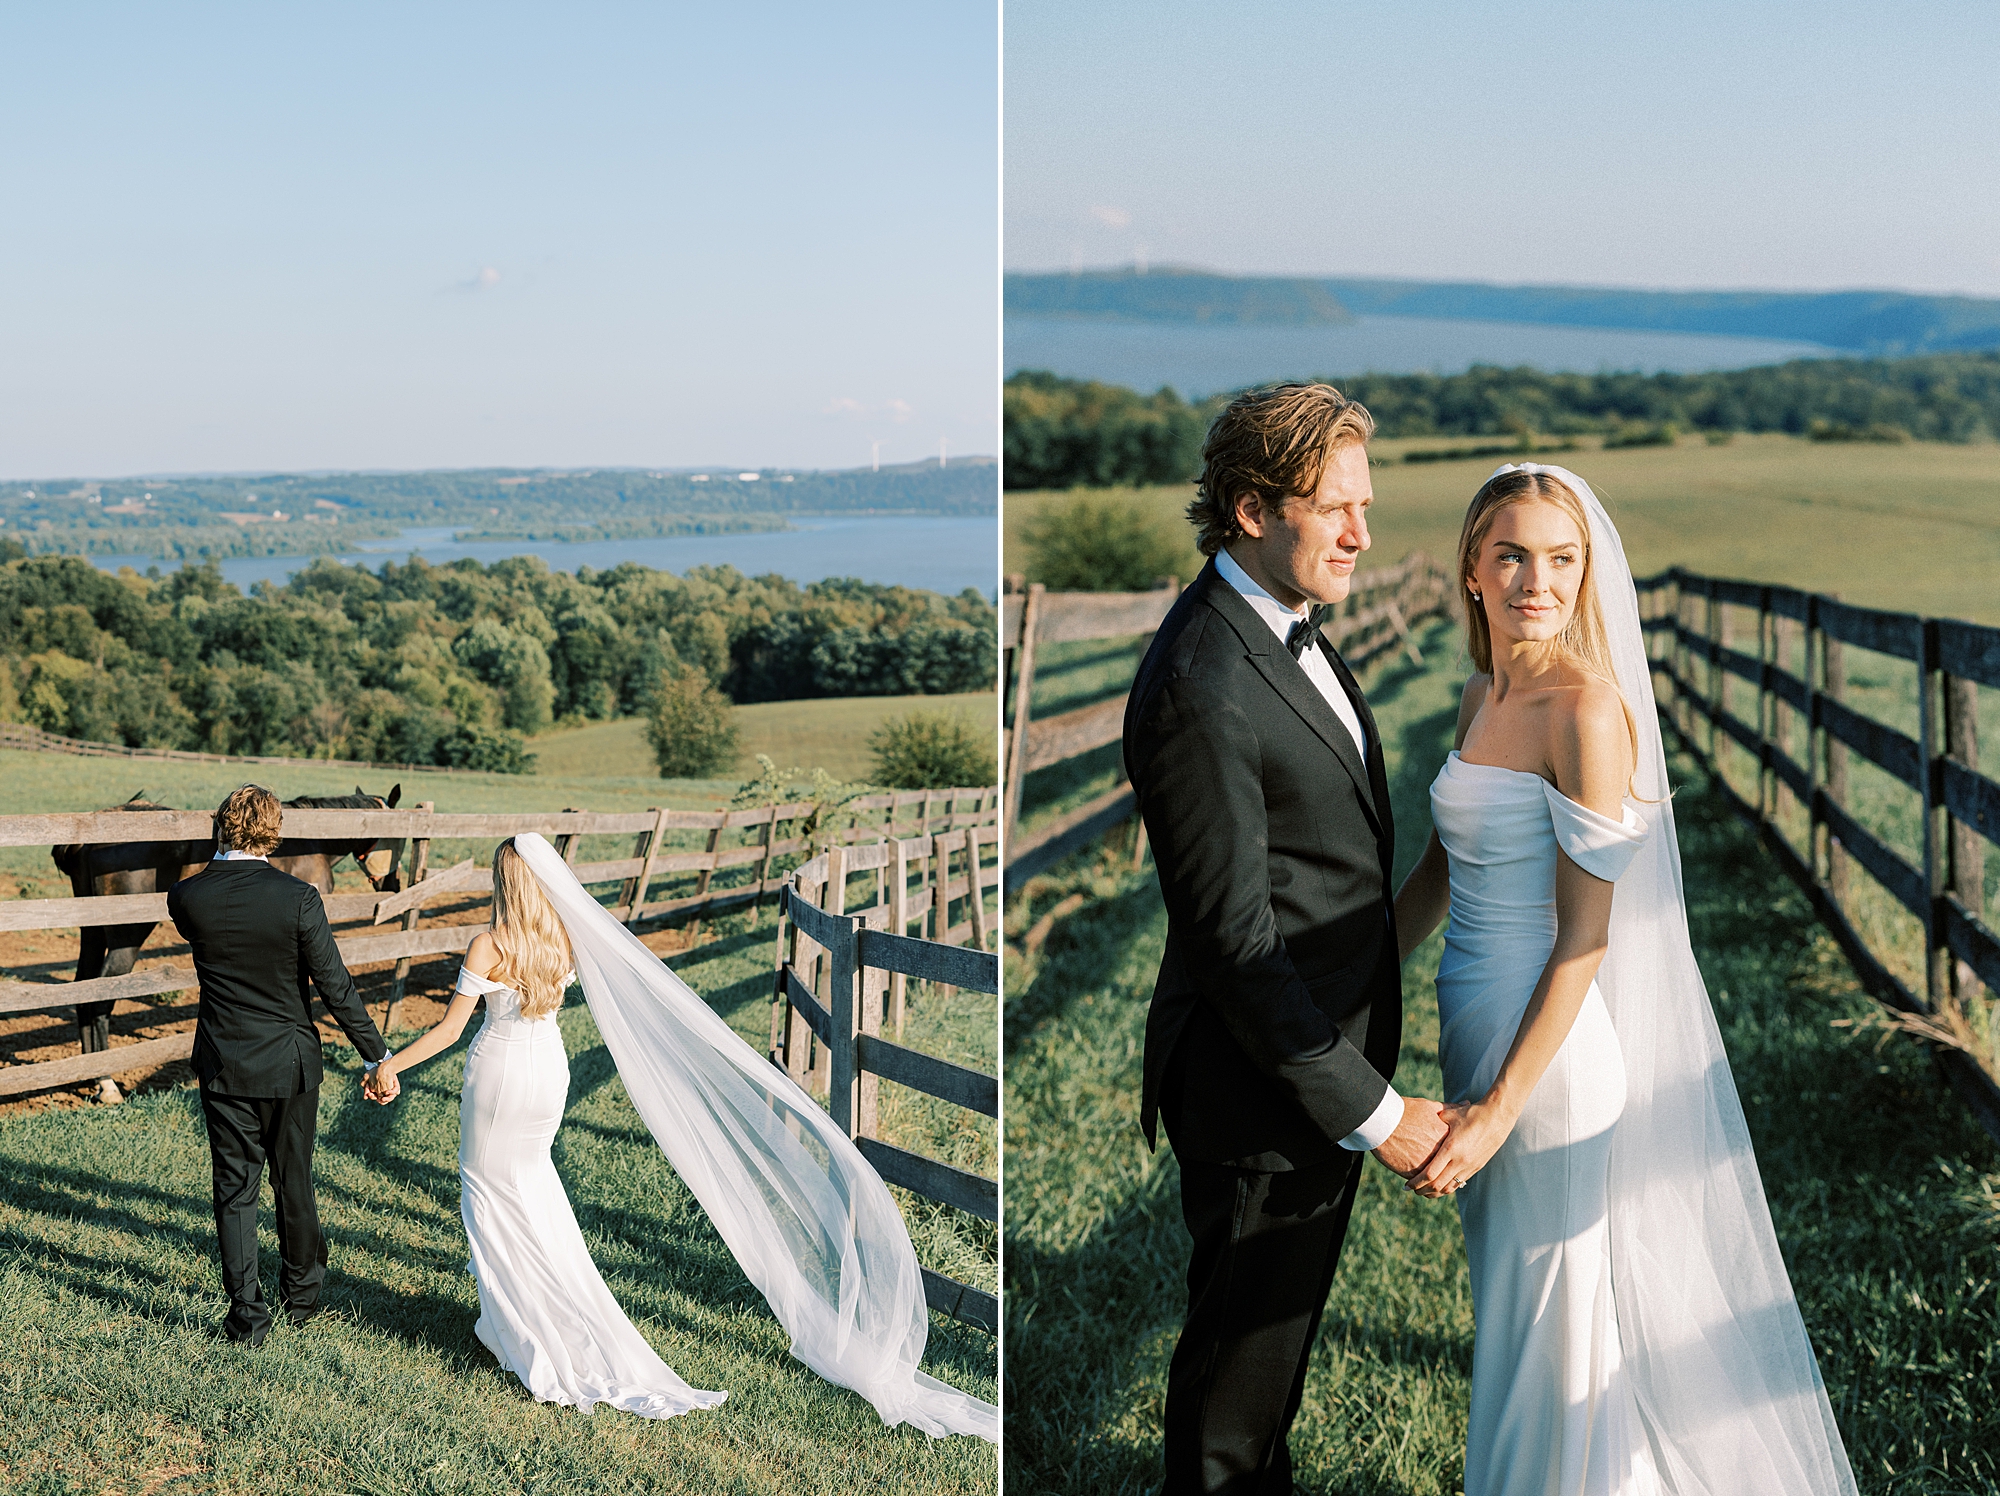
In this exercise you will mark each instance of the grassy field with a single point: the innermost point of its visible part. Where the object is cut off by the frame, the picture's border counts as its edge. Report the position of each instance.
(1867, 522)
(831, 734)
(1886, 1194)
(117, 1380)
(108, 1285)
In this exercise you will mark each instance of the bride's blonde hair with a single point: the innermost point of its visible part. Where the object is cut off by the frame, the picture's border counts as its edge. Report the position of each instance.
(528, 935)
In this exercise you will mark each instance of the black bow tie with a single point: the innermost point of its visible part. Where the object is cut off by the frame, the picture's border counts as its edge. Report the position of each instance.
(1304, 631)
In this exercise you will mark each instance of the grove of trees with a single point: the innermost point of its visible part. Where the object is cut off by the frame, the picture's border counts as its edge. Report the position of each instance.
(1064, 433)
(452, 664)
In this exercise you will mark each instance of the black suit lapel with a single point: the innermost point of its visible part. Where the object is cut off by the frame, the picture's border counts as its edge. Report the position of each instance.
(1378, 773)
(1289, 680)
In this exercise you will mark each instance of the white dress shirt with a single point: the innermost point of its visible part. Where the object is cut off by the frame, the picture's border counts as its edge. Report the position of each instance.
(1389, 1114)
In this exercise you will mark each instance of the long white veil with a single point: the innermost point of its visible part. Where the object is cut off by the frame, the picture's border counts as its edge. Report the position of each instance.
(1725, 1377)
(808, 1219)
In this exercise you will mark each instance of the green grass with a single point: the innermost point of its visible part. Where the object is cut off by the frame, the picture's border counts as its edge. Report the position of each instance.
(1871, 523)
(1883, 1189)
(109, 1301)
(831, 734)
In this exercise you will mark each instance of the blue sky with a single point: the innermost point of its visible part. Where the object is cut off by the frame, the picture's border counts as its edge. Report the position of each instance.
(1761, 145)
(244, 237)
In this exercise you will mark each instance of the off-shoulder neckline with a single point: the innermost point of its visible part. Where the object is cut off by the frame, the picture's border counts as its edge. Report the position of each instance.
(1550, 790)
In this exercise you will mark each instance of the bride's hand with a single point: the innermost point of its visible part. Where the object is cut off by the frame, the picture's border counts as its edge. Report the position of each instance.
(1477, 1130)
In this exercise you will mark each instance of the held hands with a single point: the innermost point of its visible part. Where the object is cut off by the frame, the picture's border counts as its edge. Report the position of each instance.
(1416, 1137)
(1477, 1129)
(380, 1084)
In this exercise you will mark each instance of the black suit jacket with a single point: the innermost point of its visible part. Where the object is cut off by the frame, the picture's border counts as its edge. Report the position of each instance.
(261, 944)
(1278, 1011)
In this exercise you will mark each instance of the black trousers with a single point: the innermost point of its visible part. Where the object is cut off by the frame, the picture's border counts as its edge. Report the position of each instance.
(1265, 1247)
(245, 1133)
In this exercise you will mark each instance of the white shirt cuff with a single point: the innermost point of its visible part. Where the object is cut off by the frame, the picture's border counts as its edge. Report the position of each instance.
(1381, 1123)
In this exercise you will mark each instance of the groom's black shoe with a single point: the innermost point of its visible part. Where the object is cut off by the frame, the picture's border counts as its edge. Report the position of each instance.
(299, 1314)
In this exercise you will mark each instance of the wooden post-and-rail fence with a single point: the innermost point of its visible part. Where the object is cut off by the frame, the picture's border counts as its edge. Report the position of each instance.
(709, 861)
(1804, 729)
(840, 983)
(1380, 611)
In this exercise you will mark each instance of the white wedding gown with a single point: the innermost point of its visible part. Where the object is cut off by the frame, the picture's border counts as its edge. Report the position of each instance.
(1637, 1329)
(1553, 1413)
(544, 1311)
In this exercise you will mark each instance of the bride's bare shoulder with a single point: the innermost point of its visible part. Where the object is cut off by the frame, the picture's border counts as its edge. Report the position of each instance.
(482, 955)
(1591, 743)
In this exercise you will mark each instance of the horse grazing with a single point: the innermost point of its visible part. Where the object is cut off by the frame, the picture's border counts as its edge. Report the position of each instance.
(97, 869)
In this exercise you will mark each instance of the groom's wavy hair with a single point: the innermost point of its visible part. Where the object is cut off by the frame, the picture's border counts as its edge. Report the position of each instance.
(535, 957)
(249, 820)
(1273, 443)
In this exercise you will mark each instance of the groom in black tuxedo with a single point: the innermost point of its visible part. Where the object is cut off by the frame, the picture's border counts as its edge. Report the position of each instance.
(261, 946)
(1278, 1012)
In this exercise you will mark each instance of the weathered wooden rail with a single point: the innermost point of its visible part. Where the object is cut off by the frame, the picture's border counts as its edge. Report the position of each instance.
(663, 881)
(1796, 670)
(841, 978)
(1377, 617)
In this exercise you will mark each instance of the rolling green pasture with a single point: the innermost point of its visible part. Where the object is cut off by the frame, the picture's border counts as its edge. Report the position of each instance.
(108, 1285)
(831, 734)
(1913, 527)
(117, 1380)
(1885, 1193)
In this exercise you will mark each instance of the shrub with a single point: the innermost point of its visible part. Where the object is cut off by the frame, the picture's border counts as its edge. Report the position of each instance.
(691, 725)
(1642, 436)
(931, 751)
(1835, 431)
(1107, 543)
(483, 748)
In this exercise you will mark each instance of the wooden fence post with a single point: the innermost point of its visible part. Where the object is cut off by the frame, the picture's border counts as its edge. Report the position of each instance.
(1718, 690)
(899, 924)
(973, 889)
(1024, 690)
(1965, 848)
(1937, 859)
(420, 858)
(834, 901)
(1683, 673)
(842, 1091)
(1781, 723)
(707, 873)
(655, 841)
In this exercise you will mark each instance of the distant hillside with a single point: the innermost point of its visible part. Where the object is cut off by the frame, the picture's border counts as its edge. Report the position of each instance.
(1170, 294)
(283, 514)
(1884, 323)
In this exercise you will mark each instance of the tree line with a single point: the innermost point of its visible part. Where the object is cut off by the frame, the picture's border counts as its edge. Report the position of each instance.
(454, 664)
(1066, 433)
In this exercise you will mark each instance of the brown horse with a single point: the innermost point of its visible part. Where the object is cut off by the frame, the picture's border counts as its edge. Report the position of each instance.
(96, 869)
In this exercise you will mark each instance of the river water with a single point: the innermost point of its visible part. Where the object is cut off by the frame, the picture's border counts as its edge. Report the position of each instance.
(944, 553)
(1200, 359)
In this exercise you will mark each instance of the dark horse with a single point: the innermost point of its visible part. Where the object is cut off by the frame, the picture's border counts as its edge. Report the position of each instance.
(152, 867)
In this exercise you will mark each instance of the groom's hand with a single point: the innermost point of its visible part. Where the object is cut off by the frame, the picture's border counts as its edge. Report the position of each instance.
(1416, 1137)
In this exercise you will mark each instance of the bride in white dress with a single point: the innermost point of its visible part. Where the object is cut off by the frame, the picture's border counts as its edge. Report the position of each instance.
(1636, 1331)
(808, 1220)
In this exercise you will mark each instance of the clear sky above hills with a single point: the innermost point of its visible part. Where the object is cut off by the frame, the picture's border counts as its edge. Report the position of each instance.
(385, 236)
(1780, 145)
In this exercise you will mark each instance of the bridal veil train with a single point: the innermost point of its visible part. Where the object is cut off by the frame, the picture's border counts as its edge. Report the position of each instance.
(1711, 1338)
(808, 1220)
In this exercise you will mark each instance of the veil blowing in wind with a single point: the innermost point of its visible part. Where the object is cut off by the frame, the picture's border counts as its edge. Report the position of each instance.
(807, 1218)
(1712, 1339)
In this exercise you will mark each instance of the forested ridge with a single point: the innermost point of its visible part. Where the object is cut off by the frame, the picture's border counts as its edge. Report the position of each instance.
(1064, 433)
(451, 664)
(286, 514)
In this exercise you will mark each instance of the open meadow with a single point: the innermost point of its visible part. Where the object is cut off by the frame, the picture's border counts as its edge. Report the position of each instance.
(108, 1287)
(1885, 1192)
(1912, 526)
(830, 733)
